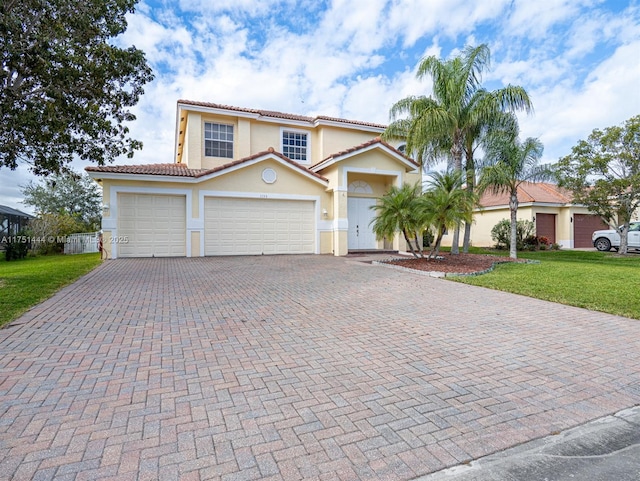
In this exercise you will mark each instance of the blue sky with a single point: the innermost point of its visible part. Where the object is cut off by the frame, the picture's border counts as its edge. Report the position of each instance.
(578, 59)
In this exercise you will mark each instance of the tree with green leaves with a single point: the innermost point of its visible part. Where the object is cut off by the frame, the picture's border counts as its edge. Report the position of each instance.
(399, 211)
(71, 194)
(445, 203)
(452, 121)
(65, 88)
(603, 172)
(511, 163)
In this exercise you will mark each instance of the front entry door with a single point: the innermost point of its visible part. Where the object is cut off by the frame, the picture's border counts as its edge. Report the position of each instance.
(360, 215)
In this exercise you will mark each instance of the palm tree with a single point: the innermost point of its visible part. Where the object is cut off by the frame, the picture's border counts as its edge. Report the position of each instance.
(477, 136)
(399, 211)
(446, 203)
(511, 163)
(456, 113)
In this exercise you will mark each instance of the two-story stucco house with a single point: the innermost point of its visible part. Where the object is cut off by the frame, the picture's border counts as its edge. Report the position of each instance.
(252, 182)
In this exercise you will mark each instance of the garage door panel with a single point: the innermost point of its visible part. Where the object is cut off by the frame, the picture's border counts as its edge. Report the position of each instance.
(258, 226)
(155, 225)
(583, 226)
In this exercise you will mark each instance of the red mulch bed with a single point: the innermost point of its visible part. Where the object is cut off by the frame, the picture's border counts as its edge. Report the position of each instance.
(458, 264)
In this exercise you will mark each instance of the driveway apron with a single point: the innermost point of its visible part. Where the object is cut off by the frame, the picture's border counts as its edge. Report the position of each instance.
(294, 367)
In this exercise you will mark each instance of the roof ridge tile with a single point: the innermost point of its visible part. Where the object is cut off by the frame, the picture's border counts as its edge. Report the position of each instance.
(281, 115)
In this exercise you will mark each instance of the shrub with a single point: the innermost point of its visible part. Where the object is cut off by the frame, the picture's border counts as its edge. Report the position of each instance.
(49, 231)
(427, 238)
(17, 247)
(501, 234)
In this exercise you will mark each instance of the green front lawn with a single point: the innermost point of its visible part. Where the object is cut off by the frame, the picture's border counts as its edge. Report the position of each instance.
(26, 282)
(594, 280)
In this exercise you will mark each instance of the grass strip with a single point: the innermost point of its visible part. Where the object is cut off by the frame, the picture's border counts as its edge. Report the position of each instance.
(598, 281)
(27, 282)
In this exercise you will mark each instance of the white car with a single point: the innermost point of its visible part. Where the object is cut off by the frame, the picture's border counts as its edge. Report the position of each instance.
(604, 240)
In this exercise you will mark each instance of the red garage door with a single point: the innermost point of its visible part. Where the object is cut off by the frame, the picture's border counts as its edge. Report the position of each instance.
(583, 227)
(546, 226)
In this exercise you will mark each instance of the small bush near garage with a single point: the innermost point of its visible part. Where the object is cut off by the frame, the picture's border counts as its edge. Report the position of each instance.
(501, 234)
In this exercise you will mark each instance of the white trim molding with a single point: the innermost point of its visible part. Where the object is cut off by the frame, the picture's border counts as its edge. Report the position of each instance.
(308, 147)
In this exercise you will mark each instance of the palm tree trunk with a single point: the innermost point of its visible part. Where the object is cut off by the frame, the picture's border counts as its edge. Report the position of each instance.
(418, 247)
(513, 207)
(456, 155)
(455, 242)
(467, 238)
(408, 241)
(436, 246)
(471, 181)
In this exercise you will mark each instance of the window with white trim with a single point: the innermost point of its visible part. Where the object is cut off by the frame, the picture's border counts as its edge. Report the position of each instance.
(218, 140)
(295, 145)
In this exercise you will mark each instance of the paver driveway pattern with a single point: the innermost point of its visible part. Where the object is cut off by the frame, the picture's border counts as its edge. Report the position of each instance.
(304, 367)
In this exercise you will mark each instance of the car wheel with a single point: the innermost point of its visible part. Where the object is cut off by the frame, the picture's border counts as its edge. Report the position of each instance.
(602, 244)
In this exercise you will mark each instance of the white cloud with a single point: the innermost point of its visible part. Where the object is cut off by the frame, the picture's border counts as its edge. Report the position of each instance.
(577, 58)
(414, 19)
(565, 114)
(535, 19)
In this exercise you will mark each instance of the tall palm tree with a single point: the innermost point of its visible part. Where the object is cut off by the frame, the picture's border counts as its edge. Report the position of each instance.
(458, 109)
(511, 163)
(446, 203)
(476, 137)
(399, 211)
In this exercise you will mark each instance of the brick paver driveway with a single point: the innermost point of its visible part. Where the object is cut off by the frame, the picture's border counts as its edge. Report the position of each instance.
(309, 367)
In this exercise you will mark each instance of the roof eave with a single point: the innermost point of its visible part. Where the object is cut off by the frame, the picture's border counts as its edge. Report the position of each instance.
(329, 161)
(137, 177)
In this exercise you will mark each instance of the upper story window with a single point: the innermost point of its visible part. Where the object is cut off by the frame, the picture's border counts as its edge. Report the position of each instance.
(295, 145)
(218, 140)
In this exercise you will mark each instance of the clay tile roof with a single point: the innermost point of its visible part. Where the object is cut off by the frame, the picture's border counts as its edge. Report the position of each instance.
(357, 122)
(269, 151)
(529, 192)
(364, 145)
(179, 170)
(281, 115)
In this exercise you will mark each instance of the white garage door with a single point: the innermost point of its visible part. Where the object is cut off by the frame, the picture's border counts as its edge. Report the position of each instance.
(258, 226)
(153, 225)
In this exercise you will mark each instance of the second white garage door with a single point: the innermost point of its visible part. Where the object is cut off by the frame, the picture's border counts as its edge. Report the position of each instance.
(235, 226)
(151, 225)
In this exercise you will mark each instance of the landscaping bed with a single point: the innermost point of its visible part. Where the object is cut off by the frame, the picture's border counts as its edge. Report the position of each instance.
(453, 264)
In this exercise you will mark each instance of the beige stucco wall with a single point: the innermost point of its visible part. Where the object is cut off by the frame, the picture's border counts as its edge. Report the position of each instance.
(333, 140)
(247, 180)
(193, 148)
(376, 167)
(252, 136)
(380, 171)
(485, 220)
(263, 136)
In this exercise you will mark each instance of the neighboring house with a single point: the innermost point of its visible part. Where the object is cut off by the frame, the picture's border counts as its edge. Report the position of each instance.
(251, 182)
(12, 221)
(548, 206)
